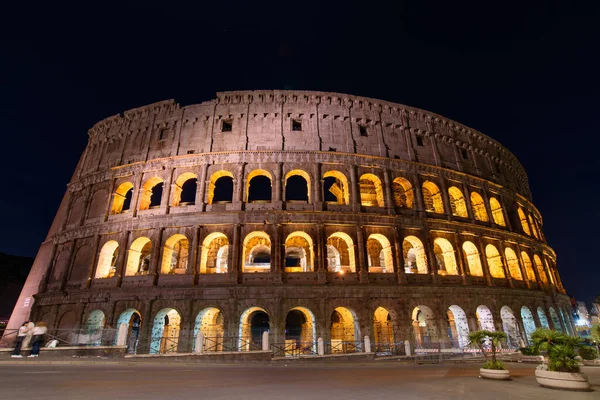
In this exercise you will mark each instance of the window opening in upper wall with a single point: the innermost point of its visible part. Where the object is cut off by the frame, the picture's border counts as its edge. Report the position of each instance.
(296, 125)
(419, 141)
(363, 130)
(190, 151)
(227, 125)
(464, 153)
(162, 134)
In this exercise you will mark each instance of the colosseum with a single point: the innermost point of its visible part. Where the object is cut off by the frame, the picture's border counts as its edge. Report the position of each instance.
(308, 215)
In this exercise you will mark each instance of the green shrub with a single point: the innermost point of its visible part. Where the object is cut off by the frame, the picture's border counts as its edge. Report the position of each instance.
(529, 351)
(489, 364)
(560, 347)
(588, 353)
(562, 359)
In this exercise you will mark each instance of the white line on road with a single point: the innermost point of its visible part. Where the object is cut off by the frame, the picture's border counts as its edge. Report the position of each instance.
(44, 372)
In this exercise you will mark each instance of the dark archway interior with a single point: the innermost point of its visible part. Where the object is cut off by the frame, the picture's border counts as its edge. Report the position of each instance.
(262, 258)
(327, 184)
(259, 323)
(223, 190)
(293, 325)
(127, 201)
(292, 259)
(260, 189)
(188, 192)
(296, 189)
(156, 195)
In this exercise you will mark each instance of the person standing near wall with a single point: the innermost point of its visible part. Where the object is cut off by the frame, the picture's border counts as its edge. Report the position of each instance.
(27, 341)
(38, 337)
(21, 335)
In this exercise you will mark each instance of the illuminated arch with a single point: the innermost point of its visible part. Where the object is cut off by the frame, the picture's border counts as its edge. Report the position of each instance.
(122, 198)
(128, 329)
(251, 329)
(184, 190)
(338, 187)
(379, 253)
(371, 191)
(458, 331)
(94, 325)
(256, 252)
(523, 220)
(473, 259)
(478, 206)
(444, 257)
(528, 322)
(457, 202)
(528, 266)
(175, 255)
(253, 174)
(543, 319)
(510, 326)
(540, 269)
(151, 191)
(485, 319)
(107, 260)
(299, 245)
(344, 245)
(214, 182)
(210, 323)
(424, 326)
(533, 226)
(300, 331)
(383, 329)
(494, 260)
(403, 193)
(415, 260)
(345, 331)
(513, 264)
(555, 319)
(213, 259)
(139, 257)
(165, 332)
(432, 197)
(497, 213)
(302, 174)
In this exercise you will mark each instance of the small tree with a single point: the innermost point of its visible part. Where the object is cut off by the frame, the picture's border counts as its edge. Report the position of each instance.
(482, 339)
(561, 349)
(595, 332)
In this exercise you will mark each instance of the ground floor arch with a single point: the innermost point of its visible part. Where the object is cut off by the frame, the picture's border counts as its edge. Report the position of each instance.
(300, 331)
(510, 327)
(344, 331)
(128, 329)
(555, 320)
(528, 322)
(165, 332)
(458, 326)
(485, 319)
(543, 319)
(253, 323)
(424, 327)
(93, 328)
(209, 322)
(383, 329)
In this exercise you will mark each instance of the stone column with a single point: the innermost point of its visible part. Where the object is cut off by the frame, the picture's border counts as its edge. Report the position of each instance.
(157, 252)
(522, 268)
(486, 202)
(399, 258)
(445, 199)
(505, 265)
(236, 266)
(354, 186)
(321, 254)
(201, 188)
(461, 263)
(278, 184)
(468, 204)
(362, 264)
(388, 192)
(484, 261)
(419, 203)
(120, 273)
(318, 185)
(431, 262)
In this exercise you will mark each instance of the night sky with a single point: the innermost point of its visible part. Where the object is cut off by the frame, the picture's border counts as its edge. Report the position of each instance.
(525, 75)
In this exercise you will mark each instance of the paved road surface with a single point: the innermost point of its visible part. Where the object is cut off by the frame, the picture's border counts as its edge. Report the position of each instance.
(40, 379)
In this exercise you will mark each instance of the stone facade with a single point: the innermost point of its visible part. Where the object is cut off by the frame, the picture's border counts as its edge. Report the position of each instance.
(381, 220)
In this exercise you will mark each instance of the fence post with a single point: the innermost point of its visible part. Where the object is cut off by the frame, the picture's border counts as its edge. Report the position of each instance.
(122, 334)
(367, 344)
(407, 348)
(265, 341)
(199, 345)
(320, 347)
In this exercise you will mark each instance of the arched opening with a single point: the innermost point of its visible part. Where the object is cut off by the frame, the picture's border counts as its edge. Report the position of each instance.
(513, 264)
(299, 253)
(494, 260)
(259, 186)
(540, 269)
(528, 322)
(478, 206)
(345, 331)
(555, 320)
(128, 329)
(485, 319)
(458, 327)
(175, 255)
(220, 187)
(473, 259)
(383, 330)
(497, 213)
(528, 266)
(415, 260)
(371, 192)
(510, 327)
(165, 332)
(300, 332)
(257, 252)
(335, 188)
(533, 226)
(253, 322)
(432, 197)
(543, 318)
(340, 253)
(297, 186)
(107, 260)
(379, 253)
(184, 190)
(151, 193)
(403, 193)
(122, 198)
(215, 249)
(523, 220)
(210, 323)
(423, 323)
(566, 322)
(444, 257)
(457, 202)
(93, 328)
(139, 257)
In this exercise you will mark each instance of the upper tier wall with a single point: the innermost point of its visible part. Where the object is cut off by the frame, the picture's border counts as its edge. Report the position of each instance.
(263, 120)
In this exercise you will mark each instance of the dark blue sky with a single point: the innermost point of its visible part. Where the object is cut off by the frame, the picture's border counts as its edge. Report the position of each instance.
(525, 74)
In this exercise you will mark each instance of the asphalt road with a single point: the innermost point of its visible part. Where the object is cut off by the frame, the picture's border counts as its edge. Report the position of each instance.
(28, 379)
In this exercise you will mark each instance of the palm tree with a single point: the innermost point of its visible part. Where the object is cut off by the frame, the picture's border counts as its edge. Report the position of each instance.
(484, 338)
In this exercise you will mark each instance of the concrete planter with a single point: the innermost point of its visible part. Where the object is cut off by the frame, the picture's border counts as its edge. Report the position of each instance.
(498, 374)
(592, 363)
(531, 359)
(562, 380)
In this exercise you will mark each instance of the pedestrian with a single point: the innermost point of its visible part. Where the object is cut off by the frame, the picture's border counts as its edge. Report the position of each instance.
(38, 338)
(21, 335)
(27, 340)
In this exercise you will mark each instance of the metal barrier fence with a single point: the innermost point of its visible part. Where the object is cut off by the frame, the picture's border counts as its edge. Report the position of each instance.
(294, 349)
(69, 337)
(342, 347)
(389, 349)
(230, 343)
